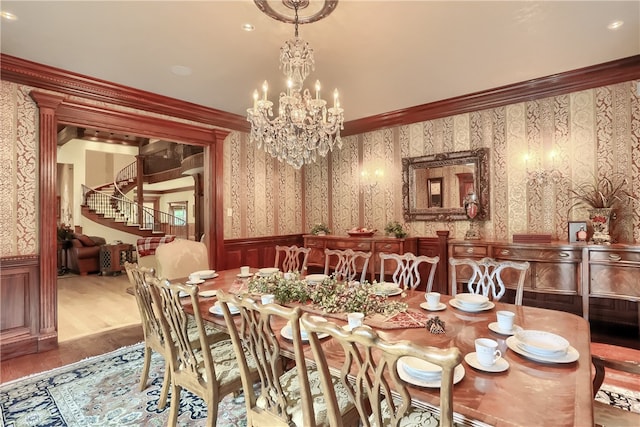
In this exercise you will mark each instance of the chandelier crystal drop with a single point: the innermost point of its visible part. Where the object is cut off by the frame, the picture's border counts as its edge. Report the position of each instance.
(304, 126)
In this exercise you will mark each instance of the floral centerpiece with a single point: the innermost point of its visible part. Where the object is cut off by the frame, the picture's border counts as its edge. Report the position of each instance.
(331, 295)
(396, 229)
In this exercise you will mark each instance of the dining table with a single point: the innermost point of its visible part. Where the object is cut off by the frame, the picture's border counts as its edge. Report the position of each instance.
(531, 391)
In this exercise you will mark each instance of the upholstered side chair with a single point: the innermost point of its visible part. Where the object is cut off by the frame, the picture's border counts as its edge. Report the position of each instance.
(406, 273)
(370, 375)
(179, 258)
(207, 366)
(347, 264)
(485, 276)
(287, 398)
(292, 259)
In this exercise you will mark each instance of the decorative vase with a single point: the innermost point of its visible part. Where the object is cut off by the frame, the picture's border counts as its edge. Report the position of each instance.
(600, 219)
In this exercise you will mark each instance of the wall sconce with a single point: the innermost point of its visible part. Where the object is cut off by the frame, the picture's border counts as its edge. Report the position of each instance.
(369, 177)
(543, 176)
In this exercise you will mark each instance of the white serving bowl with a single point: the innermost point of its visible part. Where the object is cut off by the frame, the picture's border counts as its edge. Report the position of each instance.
(316, 278)
(542, 343)
(472, 300)
(421, 368)
(268, 271)
(385, 288)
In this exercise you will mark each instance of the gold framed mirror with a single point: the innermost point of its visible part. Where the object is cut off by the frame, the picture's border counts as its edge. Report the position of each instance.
(434, 187)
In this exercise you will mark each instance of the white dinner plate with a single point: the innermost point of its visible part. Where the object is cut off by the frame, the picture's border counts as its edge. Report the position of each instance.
(458, 374)
(288, 334)
(194, 282)
(217, 309)
(495, 328)
(208, 294)
(266, 272)
(501, 364)
(441, 306)
(206, 274)
(454, 303)
(244, 276)
(182, 294)
(570, 356)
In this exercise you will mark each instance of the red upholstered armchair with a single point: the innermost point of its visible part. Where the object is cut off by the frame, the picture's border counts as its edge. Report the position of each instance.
(84, 254)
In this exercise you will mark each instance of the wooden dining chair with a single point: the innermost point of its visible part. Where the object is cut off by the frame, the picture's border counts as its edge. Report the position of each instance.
(294, 259)
(406, 273)
(206, 366)
(347, 263)
(369, 372)
(609, 415)
(485, 276)
(287, 397)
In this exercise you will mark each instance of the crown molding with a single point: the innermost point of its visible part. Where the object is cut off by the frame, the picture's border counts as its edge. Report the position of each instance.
(41, 76)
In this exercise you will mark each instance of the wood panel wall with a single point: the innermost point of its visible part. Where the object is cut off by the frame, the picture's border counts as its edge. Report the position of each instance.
(256, 252)
(20, 314)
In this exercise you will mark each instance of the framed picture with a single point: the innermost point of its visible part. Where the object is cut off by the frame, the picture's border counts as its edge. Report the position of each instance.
(574, 228)
(434, 187)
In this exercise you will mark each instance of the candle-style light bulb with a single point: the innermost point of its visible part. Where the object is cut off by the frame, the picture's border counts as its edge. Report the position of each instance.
(317, 89)
(265, 87)
(289, 86)
(335, 98)
(255, 99)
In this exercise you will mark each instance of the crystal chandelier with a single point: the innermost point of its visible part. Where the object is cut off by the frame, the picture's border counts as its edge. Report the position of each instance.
(304, 127)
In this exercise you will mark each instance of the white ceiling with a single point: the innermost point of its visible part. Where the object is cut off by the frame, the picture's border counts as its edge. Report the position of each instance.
(381, 55)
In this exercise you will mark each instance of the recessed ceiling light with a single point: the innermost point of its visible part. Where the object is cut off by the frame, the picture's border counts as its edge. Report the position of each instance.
(181, 70)
(8, 16)
(615, 25)
(248, 27)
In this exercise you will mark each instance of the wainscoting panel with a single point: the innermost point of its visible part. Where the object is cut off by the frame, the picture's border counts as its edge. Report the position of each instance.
(257, 252)
(19, 306)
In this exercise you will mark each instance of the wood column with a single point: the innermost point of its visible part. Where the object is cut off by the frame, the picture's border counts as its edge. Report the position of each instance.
(48, 104)
(140, 187)
(213, 215)
(198, 212)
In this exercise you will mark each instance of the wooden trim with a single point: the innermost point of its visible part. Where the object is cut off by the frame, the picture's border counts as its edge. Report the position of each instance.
(607, 73)
(41, 76)
(29, 73)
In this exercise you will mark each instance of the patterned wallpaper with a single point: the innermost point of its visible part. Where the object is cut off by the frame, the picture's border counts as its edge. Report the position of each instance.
(596, 131)
(18, 171)
(592, 132)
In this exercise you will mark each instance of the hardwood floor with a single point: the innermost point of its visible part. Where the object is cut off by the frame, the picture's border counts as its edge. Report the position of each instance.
(92, 304)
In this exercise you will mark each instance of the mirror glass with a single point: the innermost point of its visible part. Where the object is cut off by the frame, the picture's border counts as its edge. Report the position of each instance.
(434, 187)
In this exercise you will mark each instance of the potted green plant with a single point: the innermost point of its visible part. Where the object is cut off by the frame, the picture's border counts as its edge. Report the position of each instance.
(320, 229)
(396, 229)
(601, 196)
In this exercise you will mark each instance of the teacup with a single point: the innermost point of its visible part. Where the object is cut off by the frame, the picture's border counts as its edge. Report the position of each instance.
(487, 351)
(244, 270)
(505, 320)
(355, 319)
(193, 277)
(433, 299)
(268, 299)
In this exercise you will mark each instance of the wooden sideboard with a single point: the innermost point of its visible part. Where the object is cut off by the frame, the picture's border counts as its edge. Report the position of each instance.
(599, 282)
(374, 244)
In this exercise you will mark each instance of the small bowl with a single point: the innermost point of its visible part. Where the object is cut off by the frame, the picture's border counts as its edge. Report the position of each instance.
(268, 271)
(471, 300)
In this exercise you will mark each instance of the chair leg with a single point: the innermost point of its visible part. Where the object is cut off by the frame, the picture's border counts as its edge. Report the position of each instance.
(212, 410)
(175, 405)
(145, 368)
(166, 383)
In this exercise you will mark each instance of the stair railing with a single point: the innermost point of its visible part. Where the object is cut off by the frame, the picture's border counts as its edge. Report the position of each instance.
(124, 210)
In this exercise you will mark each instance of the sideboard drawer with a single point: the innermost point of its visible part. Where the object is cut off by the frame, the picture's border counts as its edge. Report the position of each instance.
(314, 243)
(519, 253)
(356, 245)
(389, 247)
(462, 251)
(614, 256)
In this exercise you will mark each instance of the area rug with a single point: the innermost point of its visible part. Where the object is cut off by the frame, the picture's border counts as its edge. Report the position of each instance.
(619, 397)
(104, 391)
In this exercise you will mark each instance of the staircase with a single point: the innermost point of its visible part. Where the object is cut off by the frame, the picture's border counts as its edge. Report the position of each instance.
(108, 205)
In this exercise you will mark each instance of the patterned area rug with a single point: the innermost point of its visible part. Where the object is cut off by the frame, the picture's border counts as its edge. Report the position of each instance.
(619, 397)
(104, 391)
